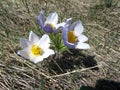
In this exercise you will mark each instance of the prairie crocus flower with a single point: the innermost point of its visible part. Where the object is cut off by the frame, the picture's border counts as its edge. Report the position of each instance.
(49, 24)
(35, 49)
(73, 37)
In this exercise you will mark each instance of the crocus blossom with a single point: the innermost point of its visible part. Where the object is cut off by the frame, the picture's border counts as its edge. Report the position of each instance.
(35, 49)
(49, 24)
(73, 37)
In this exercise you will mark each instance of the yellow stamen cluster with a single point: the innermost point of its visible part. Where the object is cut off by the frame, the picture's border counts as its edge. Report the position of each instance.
(36, 50)
(52, 25)
(71, 37)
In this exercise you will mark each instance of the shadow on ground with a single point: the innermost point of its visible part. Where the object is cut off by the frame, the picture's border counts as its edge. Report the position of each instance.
(103, 84)
(70, 61)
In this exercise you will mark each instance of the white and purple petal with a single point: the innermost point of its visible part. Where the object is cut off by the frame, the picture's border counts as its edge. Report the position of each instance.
(48, 29)
(52, 19)
(64, 34)
(33, 37)
(23, 53)
(41, 19)
(72, 26)
(82, 38)
(60, 26)
(78, 29)
(82, 46)
(47, 53)
(24, 43)
(68, 23)
(36, 59)
(69, 45)
(44, 42)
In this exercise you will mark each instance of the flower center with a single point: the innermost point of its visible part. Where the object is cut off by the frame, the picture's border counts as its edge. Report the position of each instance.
(52, 25)
(71, 37)
(36, 50)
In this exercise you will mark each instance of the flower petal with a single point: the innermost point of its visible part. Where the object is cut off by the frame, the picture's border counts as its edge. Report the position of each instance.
(47, 53)
(48, 29)
(33, 37)
(69, 45)
(68, 22)
(73, 25)
(52, 18)
(82, 46)
(60, 25)
(82, 38)
(44, 42)
(78, 28)
(23, 53)
(24, 43)
(36, 59)
(64, 34)
(41, 19)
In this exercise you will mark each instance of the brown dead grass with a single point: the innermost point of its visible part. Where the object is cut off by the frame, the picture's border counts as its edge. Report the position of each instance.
(101, 26)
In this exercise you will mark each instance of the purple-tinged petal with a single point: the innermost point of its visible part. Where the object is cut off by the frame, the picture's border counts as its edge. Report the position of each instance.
(41, 19)
(60, 25)
(52, 18)
(44, 41)
(68, 22)
(64, 34)
(23, 53)
(33, 37)
(74, 24)
(36, 59)
(82, 46)
(41, 23)
(24, 43)
(48, 53)
(69, 45)
(82, 38)
(48, 29)
(78, 28)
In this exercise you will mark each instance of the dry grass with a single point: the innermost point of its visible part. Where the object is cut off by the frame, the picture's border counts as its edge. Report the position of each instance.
(101, 19)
